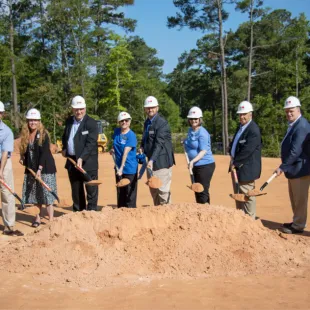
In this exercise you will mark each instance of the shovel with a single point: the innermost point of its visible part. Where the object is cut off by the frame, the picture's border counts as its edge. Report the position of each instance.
(43, 183)
(89, 182)
(153, 181)
(237, 196)
(122, 181)
(256, 192)
(13, 193)
(196, 187)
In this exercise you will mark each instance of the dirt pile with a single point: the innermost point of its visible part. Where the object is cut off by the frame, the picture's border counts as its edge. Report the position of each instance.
(181, 241)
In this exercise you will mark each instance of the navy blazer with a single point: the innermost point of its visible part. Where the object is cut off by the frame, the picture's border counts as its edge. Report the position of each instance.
(295, 161)
(85, 142)
(157, 143)
(248, 157)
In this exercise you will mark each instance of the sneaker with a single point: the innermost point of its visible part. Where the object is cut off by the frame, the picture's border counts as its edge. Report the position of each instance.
(287, 225)
(291, 230)
(8, 230)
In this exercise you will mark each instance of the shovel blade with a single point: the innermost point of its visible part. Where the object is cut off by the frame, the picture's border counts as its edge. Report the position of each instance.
(154, 182)
(255, 192)
(93, 183)
(239, 197)
(123, 182)
(197, 187)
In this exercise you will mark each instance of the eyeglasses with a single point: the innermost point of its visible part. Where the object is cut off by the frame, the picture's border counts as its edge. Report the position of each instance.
(194, 119)
(125, 120)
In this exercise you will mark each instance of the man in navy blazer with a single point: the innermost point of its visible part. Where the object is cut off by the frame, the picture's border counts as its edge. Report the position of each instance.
(245, 152)
(296, 164)
(79, 142)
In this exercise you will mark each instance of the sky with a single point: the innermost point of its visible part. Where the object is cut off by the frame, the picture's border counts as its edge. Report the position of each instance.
(151, 16)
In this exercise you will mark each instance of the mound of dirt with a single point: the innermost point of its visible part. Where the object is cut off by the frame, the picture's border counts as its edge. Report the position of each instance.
(184, 241)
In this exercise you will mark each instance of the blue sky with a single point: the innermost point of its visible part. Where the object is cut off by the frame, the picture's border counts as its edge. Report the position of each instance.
(151, 16)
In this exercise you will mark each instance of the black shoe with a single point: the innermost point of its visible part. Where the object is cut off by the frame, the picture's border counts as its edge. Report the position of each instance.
(291, 230)
(287, 225)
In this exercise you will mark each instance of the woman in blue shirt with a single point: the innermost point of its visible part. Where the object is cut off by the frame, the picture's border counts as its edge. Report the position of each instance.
(125, 148)
(198, 149)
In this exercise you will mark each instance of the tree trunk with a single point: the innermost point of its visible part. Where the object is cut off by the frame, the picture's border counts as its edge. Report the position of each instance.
(296, 68)
(14, 86)
(250, 52)
(223, 80)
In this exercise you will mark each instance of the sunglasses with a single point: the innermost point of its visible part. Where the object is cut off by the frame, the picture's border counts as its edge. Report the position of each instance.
(194, 119)
(125, 120)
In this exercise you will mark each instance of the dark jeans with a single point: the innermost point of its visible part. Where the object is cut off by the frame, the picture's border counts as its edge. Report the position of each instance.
(203, 175)
(77, 180)
(127, 195)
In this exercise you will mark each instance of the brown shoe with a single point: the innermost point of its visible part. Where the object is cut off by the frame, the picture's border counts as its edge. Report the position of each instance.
(8, 230)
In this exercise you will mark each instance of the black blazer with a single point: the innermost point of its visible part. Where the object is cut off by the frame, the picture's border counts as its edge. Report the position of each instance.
(85, 142)
(248, 157)
(42, 156)
(294, 150)
(157, 143)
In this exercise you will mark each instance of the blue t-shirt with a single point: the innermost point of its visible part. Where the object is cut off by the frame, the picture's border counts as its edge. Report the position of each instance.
(197, 141)
(120, 141)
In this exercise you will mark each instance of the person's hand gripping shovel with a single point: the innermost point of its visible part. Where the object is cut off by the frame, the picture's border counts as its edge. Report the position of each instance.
(122, 181)
(13, 193)
(196, 187)
(43, 183)
(237, 196)
(256, 192)
(89, 180)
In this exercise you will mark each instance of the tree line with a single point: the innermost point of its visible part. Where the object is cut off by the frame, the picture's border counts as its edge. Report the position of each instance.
(51, 50)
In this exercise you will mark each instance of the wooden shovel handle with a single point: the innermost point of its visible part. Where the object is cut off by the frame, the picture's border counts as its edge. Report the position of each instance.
(75, 165)
(39, 179)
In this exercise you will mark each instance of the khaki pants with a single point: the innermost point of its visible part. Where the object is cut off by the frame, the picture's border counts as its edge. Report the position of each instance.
(298, 191)
(248, 207)
(7, 199)
(162, 195)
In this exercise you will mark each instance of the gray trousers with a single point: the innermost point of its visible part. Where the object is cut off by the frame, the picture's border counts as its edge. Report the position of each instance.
(298, 191)
(162, 195)
(7, 199)
(248, 207)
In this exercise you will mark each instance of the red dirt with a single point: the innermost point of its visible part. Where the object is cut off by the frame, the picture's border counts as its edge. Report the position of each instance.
(200, 256)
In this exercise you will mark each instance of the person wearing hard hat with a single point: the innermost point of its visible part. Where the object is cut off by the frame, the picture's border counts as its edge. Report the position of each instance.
(246, 158)
(198, 149)
(157, 145)
(125, 150)
(296, 164)
(35, 154)
(79, 142)
(6, 174)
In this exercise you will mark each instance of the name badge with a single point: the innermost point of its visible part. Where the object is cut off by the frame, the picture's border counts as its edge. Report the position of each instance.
(151, 132)
(242, 141)
(85, 132)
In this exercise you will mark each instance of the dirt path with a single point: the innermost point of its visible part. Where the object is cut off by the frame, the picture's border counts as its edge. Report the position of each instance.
(221, 259)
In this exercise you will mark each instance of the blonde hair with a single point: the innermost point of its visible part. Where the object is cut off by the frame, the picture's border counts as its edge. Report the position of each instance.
(25, 133)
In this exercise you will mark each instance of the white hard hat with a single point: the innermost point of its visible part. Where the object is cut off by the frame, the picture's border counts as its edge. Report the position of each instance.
(244, 107)
(122, 116)
(33, 114)
(150, 102)
(291, 102)
(78, 102)
(1, 107)
(194, 112)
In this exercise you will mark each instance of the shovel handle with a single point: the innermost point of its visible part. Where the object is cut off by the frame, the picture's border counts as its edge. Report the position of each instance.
(268, 181)
(234, 173)
(13, 193)
(76, 166)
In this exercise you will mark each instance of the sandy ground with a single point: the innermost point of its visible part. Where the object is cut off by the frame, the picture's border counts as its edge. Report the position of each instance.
(182, 256)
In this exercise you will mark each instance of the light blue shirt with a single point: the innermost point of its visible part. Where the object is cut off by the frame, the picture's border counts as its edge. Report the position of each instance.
(199, 141)
(238, 135)
(290, 125)
(74, 129)
(6, 139)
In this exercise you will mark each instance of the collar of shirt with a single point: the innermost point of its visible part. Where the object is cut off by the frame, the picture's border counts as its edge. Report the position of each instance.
(76, 122)
(290, 125)
(150, 121)
(245, 126)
